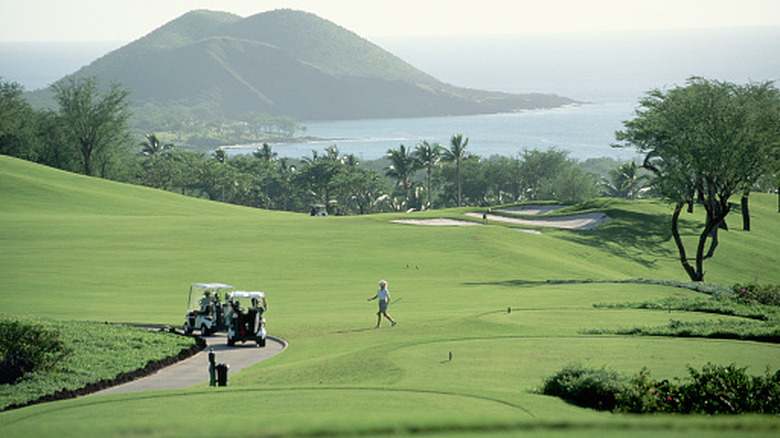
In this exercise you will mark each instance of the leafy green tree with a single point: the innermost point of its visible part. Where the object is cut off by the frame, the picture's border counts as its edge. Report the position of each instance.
(95, 121)
(217, 180)
(539, 171)
(158, 173)
(186, 168)
(473, 184)
(502, 176)
(358, 190)
(456, 153)
(428, 156)
(55, 149)
(702, 142)
(573, 185)
(17, 123)
(402, 167)
(219, 155)
(316, 174)
(764, 102)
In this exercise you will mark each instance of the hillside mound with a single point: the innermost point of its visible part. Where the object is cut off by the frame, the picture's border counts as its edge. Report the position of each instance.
(285, 62)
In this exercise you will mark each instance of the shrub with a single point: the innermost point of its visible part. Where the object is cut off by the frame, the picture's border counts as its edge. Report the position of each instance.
(25, 348)
(767, 294)
(643, 395)
(586, 387)
(730, 390)
(713, 390)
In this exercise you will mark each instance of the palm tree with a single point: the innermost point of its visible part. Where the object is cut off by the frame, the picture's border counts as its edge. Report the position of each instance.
(456, 153)
(402, 167)
(332, 152)
(286, 173)
(427, 156)
(624, 181)
(152, 146)
(265, 152)
(349, 160)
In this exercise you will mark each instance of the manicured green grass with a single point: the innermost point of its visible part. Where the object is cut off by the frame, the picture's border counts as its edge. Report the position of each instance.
(87, 249)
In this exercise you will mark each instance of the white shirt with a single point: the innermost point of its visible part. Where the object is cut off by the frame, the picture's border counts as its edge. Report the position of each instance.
(383, 294)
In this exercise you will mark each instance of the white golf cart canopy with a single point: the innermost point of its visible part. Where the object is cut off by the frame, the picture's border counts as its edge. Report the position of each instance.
(239, 294)
(198, 289)
(211, 286)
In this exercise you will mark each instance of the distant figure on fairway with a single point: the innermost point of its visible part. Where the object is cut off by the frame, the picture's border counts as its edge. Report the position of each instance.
(384, 300)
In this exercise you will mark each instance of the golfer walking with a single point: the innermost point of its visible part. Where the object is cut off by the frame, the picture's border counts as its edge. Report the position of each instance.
(384, 300)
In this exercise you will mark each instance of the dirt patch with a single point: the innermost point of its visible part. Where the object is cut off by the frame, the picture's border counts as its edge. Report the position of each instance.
(441, 222)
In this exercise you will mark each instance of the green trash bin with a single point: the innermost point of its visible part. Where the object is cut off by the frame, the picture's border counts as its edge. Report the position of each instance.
(222, 374)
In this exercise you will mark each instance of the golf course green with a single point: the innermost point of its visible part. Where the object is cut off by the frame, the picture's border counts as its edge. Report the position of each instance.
(485, 313)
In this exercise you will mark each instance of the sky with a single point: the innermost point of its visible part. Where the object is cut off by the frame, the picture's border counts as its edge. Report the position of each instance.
(128, 20)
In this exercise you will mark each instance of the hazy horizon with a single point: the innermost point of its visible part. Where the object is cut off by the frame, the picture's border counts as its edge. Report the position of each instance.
(587, 66)
(127, 20)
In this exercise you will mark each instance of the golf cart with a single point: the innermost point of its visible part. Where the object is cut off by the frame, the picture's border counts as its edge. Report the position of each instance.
(319, 210)
(205, 311)
(246, 323)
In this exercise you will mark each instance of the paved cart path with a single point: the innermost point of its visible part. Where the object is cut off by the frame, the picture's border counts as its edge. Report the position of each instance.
(195, 369)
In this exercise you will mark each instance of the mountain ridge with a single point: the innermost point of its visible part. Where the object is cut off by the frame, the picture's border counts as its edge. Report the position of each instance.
(286, 62)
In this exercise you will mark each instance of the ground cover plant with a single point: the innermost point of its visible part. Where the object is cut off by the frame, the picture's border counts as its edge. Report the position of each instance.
(761, 321)
(76, 354)
(479, 323)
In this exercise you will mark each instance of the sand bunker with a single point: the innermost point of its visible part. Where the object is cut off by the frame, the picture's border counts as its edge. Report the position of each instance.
(435, 222)
(585, 221)
(532, 209)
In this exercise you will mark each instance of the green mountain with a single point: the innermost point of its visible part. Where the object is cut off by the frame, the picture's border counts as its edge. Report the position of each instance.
(286, 62)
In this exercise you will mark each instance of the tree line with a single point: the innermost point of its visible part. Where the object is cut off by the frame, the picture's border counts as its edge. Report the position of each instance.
(89, 134)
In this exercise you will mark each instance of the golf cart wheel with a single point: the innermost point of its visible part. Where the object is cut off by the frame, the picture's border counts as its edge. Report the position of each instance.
(261, 342)
(187, 329)
(231, 342)
(204, 331)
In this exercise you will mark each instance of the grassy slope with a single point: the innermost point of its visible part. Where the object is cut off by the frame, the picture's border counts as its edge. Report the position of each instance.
(80, 248)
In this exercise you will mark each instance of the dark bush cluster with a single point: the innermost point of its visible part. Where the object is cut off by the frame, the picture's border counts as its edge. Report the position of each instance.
(713, 390)
(768, 294)
(586, 387)
(26, 348)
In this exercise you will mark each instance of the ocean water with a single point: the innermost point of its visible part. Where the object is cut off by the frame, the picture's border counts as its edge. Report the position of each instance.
(585, 131)
(607, 71)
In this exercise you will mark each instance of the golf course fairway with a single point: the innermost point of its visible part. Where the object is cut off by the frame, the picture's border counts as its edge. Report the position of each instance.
(484, 313)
